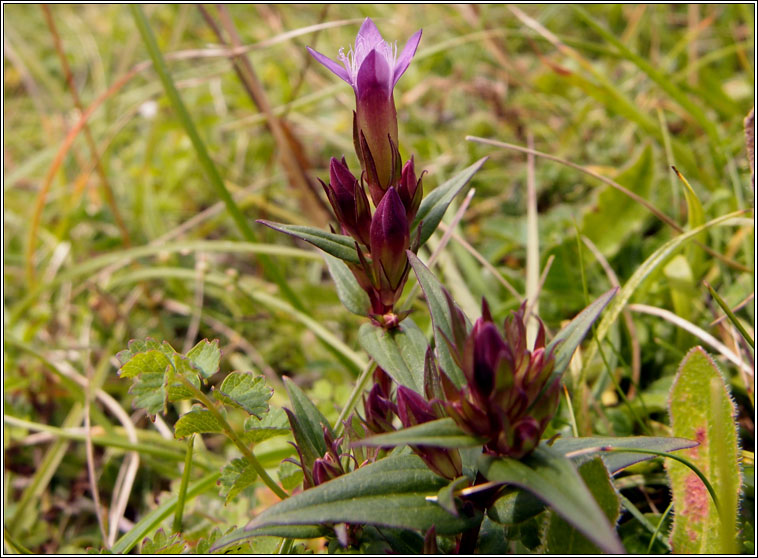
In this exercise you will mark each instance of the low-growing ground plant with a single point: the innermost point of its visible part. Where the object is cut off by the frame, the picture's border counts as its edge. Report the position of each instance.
(549, 392)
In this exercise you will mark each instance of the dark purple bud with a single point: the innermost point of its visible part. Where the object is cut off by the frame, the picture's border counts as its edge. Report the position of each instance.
(410, 189)
(412, 408)
(379, 411)
(489, 349)
(349, 201)
(325, 469)
(389, 240)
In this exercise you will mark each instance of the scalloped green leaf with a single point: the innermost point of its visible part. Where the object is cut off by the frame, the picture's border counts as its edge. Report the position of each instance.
(274, 423)
(554, 479)
(701, 408)
(161, 543)
(436, 202)
(206, 356)
(246, 391)
(399, 352)
(236, 476)
(441, 318)
(149, 392)
(152, 361)
(391, 493)
(197, 421)
(337, 245)
(442, 433)
(350, 293)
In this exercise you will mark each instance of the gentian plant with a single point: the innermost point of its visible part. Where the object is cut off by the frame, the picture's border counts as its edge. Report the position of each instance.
(449, 445)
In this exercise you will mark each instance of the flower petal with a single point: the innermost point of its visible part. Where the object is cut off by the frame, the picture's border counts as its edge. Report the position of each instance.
(373, 75)
(404, 60)
(335, 67)
(369, 33)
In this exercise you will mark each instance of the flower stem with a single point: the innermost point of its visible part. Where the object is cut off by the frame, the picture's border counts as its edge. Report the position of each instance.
(179, 512)
(352, 401)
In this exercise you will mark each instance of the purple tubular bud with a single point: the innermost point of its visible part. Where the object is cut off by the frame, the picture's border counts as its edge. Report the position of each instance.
(412, 408)
(410, 189)
(349, 201)
(379, 411)
(390, 238)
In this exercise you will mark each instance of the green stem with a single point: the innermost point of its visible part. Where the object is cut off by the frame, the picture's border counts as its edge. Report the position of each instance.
(725, 307)
(352, 401)
(232, 435)
(183, 487)
(658, 527)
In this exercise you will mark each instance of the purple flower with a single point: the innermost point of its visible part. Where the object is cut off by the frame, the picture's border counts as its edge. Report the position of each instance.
(372, 67)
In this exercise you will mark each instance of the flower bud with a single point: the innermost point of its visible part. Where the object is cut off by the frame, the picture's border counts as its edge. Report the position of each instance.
(349, 201)
(390, 238)
(414, 409)
(410, 190)
(379, 411)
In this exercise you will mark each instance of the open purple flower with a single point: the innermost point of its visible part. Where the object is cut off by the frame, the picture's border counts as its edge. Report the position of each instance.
(372, 67)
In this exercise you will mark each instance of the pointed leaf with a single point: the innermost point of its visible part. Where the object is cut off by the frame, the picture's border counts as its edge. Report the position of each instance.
(338, 245)
(701, 408)
(309, 417)
(197, 421)
(441, 318)
(206, 356)
(555, 480)
(350, 293)
(391, 492)
(577, 449)
(236, 476)
(568, 339)
(436, 202)
(442, 433)
(246, 391)
(561, 536)
(399, 352)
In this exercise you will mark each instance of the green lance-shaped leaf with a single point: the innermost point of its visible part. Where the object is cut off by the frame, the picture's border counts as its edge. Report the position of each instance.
(399, 352)
(442, 319)
(568, 339)
(436, 202)
(391, 493)
(555, 480)
(701, 409)
(197, 421)
(337, 245)
(206, 356)
(614, 218)
(516, 506)
(350, 293)
(246, 391)
(236, 476)
(310, 420)
(561, 536)
(442, 433)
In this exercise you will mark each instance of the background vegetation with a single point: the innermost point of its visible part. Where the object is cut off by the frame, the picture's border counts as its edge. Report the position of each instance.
(113, 231)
